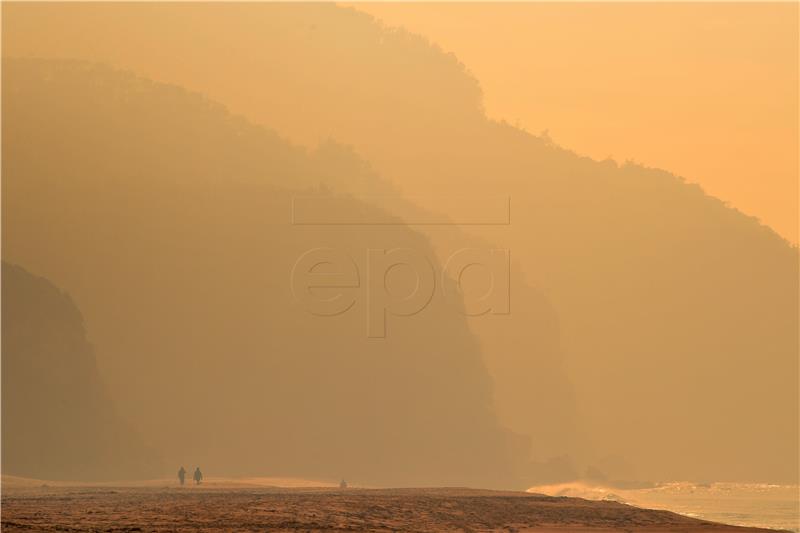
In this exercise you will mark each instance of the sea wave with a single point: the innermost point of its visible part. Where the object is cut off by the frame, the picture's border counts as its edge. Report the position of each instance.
(744, 504)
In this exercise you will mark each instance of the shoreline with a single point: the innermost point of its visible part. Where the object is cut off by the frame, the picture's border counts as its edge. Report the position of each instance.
(220, 506)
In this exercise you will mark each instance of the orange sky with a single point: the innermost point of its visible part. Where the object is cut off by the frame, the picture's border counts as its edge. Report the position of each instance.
(707, 91)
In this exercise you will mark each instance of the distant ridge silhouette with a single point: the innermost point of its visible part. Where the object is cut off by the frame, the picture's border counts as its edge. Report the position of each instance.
(58, 419)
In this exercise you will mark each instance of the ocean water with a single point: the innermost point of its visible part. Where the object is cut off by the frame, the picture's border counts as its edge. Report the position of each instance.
(741, 504)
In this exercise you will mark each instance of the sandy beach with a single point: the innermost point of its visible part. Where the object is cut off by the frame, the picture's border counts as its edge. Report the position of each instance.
(246, 506)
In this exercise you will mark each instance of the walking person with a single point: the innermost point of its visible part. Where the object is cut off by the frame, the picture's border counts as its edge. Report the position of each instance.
(198, 476)
(182, 475)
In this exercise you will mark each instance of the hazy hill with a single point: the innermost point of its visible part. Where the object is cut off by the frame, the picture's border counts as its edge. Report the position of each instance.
(58, 420)
(677, 315)
(170, 221)
(532, 393)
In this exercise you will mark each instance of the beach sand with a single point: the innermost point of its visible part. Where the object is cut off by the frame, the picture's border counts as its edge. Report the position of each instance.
(251, 505)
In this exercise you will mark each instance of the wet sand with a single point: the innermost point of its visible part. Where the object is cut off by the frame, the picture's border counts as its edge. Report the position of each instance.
(251, 508)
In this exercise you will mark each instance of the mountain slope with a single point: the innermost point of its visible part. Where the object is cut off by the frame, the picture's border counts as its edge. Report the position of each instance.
(58, 419)
(677, 316)
(170, 221)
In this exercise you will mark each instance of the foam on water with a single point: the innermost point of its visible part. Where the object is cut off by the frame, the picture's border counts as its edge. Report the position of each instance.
(743, 504)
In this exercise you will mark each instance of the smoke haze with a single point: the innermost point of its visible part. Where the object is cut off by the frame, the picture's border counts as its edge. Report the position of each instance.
(178, 177)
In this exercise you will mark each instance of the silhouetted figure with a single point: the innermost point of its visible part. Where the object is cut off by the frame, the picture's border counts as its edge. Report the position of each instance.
(343, 484)
(182, 475)
(198, 476)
